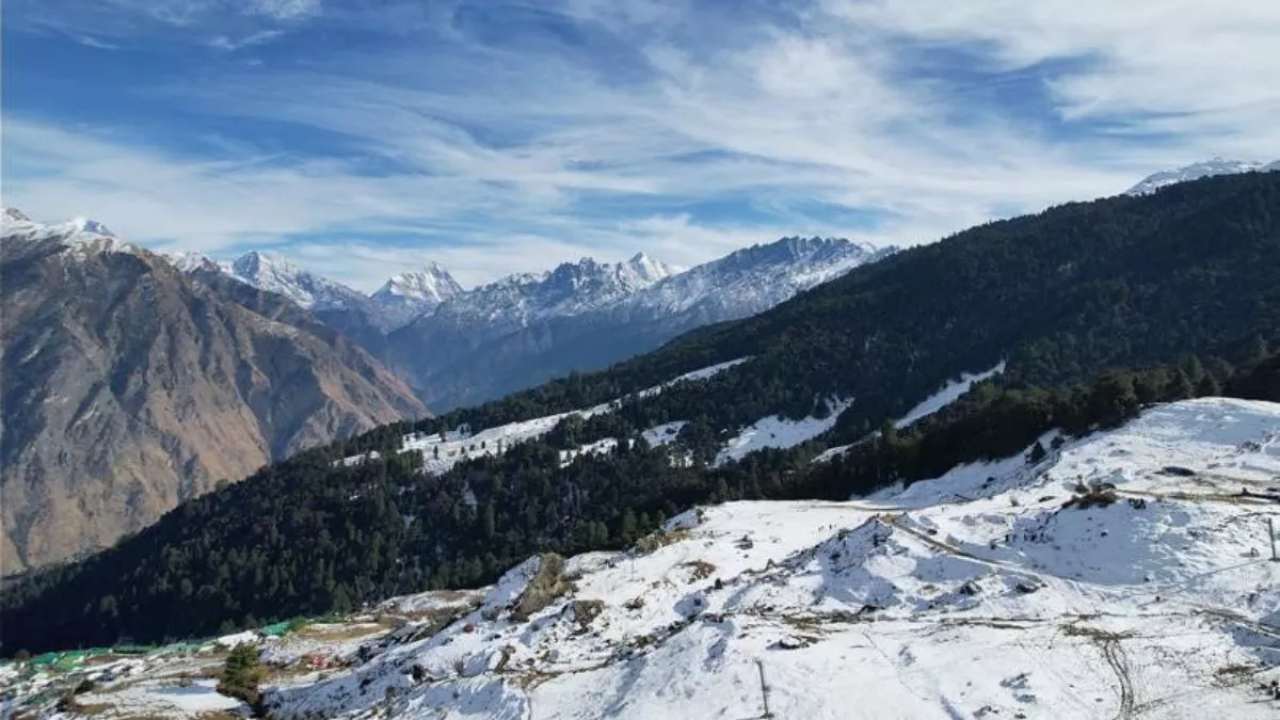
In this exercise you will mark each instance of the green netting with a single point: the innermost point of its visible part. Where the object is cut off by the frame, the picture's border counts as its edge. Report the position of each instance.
(277, 629)
(67, 659)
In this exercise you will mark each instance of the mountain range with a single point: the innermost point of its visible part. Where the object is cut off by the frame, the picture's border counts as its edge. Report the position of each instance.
(1057, 325)
(526, 329)
(457, 347)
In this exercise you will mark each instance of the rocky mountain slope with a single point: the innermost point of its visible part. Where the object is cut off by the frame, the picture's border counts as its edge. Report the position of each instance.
(130, 386)
(1121, 574)
(526, 329)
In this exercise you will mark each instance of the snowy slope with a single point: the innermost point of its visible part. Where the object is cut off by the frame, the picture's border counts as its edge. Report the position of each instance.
(779, 432)
(989, 592)
(1195, 171)
(949, 393)
(753, 279)
(442, 452)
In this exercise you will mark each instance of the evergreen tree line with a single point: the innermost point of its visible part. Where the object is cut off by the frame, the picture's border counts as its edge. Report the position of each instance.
(304, 538)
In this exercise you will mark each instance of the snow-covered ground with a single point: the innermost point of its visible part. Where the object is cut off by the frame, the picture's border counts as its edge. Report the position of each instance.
(1125, 575)
(949, 393)
(778, 432)
(705, 373)
(663, 434)
(442, 452)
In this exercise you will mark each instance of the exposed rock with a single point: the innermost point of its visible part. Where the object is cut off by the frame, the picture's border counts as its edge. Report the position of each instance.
(585, 611)
(547, 584)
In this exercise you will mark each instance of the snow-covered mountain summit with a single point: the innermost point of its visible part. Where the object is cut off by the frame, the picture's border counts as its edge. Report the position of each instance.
(568, 290)
(78, 236)
(410, 294)
(756, 278)
(1195, 171)
(274, 273)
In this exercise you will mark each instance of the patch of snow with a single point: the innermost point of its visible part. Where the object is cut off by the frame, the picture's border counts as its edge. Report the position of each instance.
(440, 453)
(949, 393)
(663, 434)
(246, 637)
(778, 432)
(599, 447)
(705, 373)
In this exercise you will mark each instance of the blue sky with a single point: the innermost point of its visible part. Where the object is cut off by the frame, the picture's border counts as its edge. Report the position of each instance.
(363, 139)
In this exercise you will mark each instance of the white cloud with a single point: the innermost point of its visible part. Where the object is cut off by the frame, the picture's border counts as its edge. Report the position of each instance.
(508, 158)
(284, 9)
(223, 42)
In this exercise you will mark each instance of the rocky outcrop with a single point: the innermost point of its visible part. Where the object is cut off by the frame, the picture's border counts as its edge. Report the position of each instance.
(547, 584)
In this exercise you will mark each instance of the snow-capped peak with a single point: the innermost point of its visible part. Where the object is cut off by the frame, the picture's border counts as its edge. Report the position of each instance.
(85, 225)
(756, 278)
(80, 236)
(189, 262)
(647, 269)
(274, 273)
(410, 294)
(432, 284)
(571, 288)
(1195, 171)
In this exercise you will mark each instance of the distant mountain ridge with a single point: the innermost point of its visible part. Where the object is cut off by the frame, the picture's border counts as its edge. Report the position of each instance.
(525, 329)
(458, 346)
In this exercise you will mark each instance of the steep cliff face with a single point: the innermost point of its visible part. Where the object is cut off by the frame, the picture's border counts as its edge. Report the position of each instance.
(129, 386)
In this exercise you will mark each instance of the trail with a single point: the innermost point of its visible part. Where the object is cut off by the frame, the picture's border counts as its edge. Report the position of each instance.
(1115, 656)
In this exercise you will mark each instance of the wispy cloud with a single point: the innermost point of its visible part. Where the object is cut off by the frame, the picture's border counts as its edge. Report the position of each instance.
(222, 42)
(93, 42)
(500, 139)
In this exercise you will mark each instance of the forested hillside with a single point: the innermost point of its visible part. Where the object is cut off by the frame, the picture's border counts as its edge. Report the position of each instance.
(1061, 295)
(1179, 286)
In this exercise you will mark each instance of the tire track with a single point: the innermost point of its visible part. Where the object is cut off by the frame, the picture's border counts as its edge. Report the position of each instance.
(1115, 656)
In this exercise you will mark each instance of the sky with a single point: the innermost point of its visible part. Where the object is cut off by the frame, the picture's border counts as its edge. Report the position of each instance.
(362, 139)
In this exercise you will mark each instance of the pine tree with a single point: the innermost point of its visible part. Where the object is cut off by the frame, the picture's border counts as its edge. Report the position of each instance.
(488, 523)
(1208, 386)
(628, 534)
(241, 674)
(1179, 386)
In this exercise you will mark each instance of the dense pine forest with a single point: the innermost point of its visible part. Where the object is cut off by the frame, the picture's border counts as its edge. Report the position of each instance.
(1097, 308)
